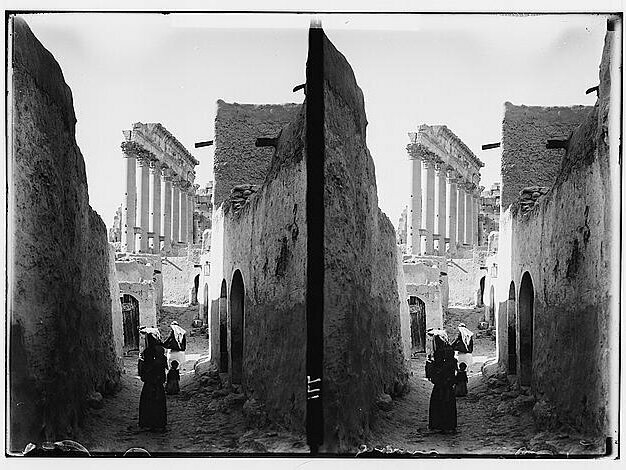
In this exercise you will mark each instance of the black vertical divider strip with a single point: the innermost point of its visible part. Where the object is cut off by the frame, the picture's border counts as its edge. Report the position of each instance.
(315, 237)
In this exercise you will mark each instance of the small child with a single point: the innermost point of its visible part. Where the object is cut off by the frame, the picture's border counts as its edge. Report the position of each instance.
(173, 378)
(461, 380)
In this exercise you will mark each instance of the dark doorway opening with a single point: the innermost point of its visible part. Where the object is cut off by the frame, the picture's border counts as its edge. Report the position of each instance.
(194, 292)
(205, 306)
(481, 295)
(130, 322)
(511, 336)
(223, 320)
(526, 312)
(492, 307)
(417, 310)
(236, 327)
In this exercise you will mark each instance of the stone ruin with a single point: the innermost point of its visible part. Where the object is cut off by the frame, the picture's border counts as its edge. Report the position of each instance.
(64, 341)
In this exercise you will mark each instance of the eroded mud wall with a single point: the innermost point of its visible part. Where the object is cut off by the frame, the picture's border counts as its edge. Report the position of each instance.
(266, 241)
(566, 244)
(237, 126)
(525, 159)
(61, 338)
(363, 349)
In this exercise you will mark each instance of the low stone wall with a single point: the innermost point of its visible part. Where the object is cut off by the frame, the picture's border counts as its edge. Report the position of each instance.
(62, 345)
(464, 276)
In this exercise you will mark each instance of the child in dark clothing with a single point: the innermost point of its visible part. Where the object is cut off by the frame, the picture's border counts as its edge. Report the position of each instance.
(461, 380)
(173, 379)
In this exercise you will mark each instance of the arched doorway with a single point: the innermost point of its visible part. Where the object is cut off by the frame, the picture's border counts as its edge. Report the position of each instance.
(236, 327)
(492, 307)
(511, 335)
(205, 306)
(130, 322)
(526, 312)
(417, 311)
(194, 291)
(223, 312)
(481, 293)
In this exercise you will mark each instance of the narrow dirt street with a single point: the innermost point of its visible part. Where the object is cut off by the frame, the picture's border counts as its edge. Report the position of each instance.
(208, 417)
(492, 419)
(203, 418)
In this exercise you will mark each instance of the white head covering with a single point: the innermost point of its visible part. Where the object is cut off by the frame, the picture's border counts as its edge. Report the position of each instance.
(466, 335)
(178, 332)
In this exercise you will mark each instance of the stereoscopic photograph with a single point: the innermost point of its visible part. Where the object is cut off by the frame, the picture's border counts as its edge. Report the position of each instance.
(313, 234)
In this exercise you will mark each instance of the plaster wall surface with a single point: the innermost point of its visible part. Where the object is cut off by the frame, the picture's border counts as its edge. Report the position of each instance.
(178, 274)
(424, 281)
(116, 307)
(567, 245)
(237, 126)
(266, 242)
(60, 322)
(144, 293)
(464, 276)
(363, 345)
(525, 159)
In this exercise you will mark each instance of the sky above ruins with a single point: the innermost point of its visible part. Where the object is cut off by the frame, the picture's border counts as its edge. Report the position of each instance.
(456, 70)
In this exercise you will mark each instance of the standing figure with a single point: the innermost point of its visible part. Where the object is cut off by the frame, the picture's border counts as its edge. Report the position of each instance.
(152, 365)
(176, 343)
(442, 410)
(464, 345)
(172, 386)
(461, 380)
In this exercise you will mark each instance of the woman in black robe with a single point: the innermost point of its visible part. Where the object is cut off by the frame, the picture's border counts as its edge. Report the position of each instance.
(152, 365)
(442, 410)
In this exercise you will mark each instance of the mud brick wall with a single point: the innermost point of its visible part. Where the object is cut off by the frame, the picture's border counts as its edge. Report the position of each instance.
(363, 347)
(525, 159)
(567, 245)
(266, 241)
(61, 336)
(178, 274)
(237, 126)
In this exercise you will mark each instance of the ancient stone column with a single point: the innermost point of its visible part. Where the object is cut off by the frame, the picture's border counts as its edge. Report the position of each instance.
(428, 206)
(414, 216)
(128, 203)
(460, 211)
(190, 209)
(440, 210)
(155, 205)
(143, 203)
(175, 210)
(166, 203)
(182, 228)
(451, 201)
(469, 219)
(476, 213)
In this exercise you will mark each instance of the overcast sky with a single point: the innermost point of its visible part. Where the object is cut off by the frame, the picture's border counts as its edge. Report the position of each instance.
(456, 70)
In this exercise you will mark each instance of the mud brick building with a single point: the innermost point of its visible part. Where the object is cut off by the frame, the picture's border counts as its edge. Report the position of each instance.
(557, 278)
(305, 276)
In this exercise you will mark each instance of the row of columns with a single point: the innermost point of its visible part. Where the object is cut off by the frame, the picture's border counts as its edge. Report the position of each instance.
(443, 208)
(157, 209)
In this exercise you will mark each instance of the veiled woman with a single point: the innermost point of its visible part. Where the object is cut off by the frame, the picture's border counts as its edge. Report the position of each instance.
(442, 410)
(152, 365)
(464, 345)
(176, 343)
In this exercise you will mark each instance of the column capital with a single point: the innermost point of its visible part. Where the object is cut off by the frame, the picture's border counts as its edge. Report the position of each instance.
(143, 160)
(166, 173)
(176, 181)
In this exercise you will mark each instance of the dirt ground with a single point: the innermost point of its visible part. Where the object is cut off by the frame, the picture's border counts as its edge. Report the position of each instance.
(494, 419)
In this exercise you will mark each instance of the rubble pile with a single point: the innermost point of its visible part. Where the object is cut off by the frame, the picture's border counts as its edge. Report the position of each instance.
(530, 195)
(239, 195)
